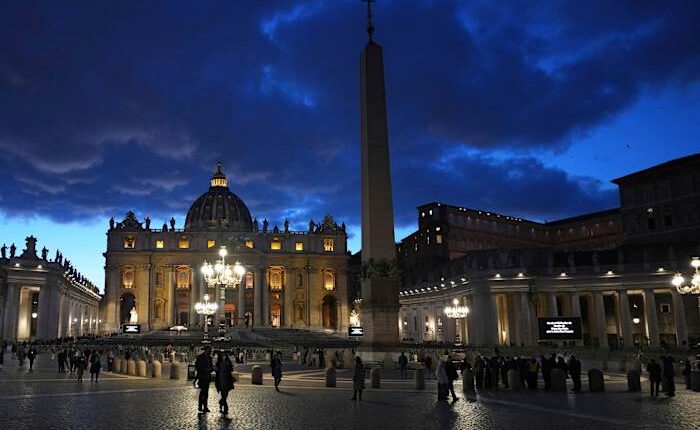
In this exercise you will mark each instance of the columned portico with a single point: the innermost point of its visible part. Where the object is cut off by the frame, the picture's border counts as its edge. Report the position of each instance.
(652, 323)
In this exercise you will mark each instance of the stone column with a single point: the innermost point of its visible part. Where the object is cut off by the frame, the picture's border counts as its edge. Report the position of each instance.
(575, 299)
(625, 322)
(288, 298)
(651, 318)
(514, 328)
(196, 295)
(240, 307)
(525, 320)
(112, 307)
(601, 324)
(171, 291)
(679, 319)
(265, 301)
(10, 314)
(485, 318)
(257, 298)
(552, 309)
(464, 324)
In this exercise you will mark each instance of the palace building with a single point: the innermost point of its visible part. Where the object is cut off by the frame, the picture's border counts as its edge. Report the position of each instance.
(612, 268)
(293, 279)
(44, 299)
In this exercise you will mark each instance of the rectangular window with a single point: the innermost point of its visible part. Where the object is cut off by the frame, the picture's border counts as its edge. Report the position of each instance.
(160, 244)
(129, 242)
(249, 281)
(183, 244)
(211, 243)
(249, 244)
(299, 246)
(665, 308)
(328, 245)
(438, 239)
(276, 245)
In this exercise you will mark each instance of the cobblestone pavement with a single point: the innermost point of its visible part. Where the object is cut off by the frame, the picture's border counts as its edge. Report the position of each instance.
(46, 400)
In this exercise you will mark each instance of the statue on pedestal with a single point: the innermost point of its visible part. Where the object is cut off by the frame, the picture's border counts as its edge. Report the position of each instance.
(133, 316)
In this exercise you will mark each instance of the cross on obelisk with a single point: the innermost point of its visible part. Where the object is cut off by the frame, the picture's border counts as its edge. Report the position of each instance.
(370, 25)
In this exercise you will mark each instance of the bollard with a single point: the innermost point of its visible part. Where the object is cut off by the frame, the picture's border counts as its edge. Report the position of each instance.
(131, 367)
(175, 370)
(141, 368)
(468, 381)
(513, 379)
(595, 381)
(419, 379)
(122, 366)
(375, 376)
(165, 369)
(634, 383)
(695, 380)
(348, 359)
(558, 378)
(116, 364)
(330, 377)
(256, 376)
(156, 369)
(149, 369)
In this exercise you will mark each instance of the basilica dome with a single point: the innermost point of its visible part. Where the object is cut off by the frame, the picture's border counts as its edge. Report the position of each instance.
(218, 209)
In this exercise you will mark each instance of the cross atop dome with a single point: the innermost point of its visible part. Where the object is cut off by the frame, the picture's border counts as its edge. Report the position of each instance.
(218, 179)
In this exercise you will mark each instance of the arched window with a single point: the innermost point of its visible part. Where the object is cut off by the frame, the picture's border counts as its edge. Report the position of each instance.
(329, 280)
(276, 279)
(128, 277)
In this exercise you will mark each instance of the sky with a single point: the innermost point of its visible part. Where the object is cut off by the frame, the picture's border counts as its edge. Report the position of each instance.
(518, 107)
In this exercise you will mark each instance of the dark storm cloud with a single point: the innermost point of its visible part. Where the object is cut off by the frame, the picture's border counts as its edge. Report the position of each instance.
(108, 106)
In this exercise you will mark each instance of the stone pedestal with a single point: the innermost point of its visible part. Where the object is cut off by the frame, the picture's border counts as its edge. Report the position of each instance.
(634, 383)
(141, 368)
(256, 376)
(375, 377)
(514, 379)
(595, 381)
(330, 377)
(558, 380)
(419, 379)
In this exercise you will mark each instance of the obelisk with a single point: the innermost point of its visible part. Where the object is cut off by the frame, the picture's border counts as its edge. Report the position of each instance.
(379, 277)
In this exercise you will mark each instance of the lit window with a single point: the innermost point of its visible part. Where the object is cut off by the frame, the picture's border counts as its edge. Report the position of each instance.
(249, 281)
(438, 239)
(328, 245)
(249, 244)
(276, 279)
(211, 243)
(183, 278)
(129, 242)
(430, 212)
(160, 244)
(275, 245)
(128, 277)
(422, 214)
(299, 246)
(329, 280)
(183, 244)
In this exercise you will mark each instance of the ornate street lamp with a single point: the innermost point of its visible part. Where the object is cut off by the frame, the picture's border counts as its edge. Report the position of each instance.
(206, 308)
(694, 287)
(222, 275)
(456, 311)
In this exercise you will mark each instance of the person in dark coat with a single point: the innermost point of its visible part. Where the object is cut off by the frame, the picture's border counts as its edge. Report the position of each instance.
(403, 365)
(575, 372)
(203, 366)
(452, 376)
(479, 372)
(670, 375)
(224, 380)
(276, 366)
(358, 379)
(31, 355)
(428, 362)
(654, 371)
(533, 368)
(95, 366)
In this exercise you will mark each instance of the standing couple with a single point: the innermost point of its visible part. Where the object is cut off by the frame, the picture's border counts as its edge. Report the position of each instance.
(223, 379)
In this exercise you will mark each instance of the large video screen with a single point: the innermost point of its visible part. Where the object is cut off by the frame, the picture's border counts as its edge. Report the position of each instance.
(560, 328)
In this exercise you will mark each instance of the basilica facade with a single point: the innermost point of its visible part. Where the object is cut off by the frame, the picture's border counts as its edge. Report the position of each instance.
(293, 279)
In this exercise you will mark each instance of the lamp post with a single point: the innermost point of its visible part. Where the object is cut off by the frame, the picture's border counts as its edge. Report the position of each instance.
(221, 275)
(678, 280)
(206, 308)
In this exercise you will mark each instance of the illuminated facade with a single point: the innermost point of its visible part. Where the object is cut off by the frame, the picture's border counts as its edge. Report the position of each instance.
(294, 278)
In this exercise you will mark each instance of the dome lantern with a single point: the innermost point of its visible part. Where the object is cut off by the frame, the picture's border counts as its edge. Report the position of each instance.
(218, 179)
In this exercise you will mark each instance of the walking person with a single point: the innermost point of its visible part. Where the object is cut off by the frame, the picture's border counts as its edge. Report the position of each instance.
(479, 372)
(95, 366)
(533, 368)
(224, 379)
(442, 381)
(654, 370)
(670, 375)
(31, 355)
(451, 371)
(575, 372)
(428, 361)
(203, 366)
(79, 365)
(276, 365)
(358, 379)
(403, 365)
(110, 360)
